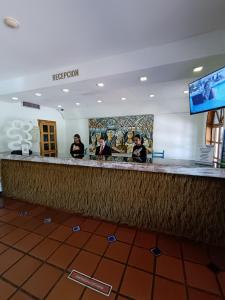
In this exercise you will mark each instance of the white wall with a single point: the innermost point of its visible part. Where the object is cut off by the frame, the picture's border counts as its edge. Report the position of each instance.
(15, 111)
(178, 134)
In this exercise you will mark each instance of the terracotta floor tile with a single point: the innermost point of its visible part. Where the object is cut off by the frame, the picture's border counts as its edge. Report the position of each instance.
(61, 233)
(74, 221)
(22, 270)
(6, 290)
(195, 252)
(168, 290)
(106, 229)
(63, 256)
(4, 211)
(141, 259)
(8, 258)
(21, 296)
(45, 249)
(14, 236)
(169, 245)
(48, 213)
(5, 229)
(221, 277)
(9, 217)
(37, 210)
(170, 267)
(217, 255)
(90, 225)
(20, 220)
(199, 295)
(32, 224)
(145, 239)
(137, 284)
(66, 289)
(29, 242)
(42, 281)
(15, 205)
(110, 272)
(201, 277)
(97, 244)
(93, 295)
(125, 234)
(78, 239)
(85, 262)
(61, 217)
(46, 229)
(118, 251)
(2, 248)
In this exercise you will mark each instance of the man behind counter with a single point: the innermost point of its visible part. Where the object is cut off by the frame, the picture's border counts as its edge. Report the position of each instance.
(103, 149)
(77, 148)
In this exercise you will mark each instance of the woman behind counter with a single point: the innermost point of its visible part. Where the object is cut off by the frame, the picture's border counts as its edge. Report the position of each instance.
(139, 153)
(77, 148)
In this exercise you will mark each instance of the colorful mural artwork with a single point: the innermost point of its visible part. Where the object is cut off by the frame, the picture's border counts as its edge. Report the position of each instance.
(120, 131)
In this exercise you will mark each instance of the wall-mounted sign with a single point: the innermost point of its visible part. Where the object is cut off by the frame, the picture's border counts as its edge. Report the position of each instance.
(64, 75)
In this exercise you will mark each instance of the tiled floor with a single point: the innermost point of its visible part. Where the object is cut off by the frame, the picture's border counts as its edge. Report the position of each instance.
(36, 258)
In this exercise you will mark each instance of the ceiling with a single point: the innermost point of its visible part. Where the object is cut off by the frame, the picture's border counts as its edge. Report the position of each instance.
(166, 82)
(56, 33)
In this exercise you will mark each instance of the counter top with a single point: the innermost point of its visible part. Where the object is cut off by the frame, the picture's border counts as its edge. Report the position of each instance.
(191, 170)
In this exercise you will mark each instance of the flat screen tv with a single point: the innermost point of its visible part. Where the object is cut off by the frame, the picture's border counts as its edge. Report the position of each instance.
(207, 93)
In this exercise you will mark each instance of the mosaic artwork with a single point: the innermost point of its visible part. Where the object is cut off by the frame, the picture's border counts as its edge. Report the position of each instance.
(119, 132)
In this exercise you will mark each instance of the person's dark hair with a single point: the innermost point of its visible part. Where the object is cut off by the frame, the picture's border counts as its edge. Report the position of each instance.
(77, 136)
(137, 136)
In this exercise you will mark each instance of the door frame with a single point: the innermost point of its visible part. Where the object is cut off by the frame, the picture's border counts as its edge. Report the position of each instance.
(48, 122)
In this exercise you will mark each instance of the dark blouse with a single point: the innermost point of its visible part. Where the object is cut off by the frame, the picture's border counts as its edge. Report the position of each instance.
(78, 153)
(139, 153)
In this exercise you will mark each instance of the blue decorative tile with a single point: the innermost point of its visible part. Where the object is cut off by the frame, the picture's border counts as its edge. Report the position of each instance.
(47, 220)
(76, 228)
(111, 238)
(24, 213)
(155, 251)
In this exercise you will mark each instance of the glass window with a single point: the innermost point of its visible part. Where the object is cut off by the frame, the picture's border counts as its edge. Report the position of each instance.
(45, 137)
(45, 128)
(46, 147)
(214, 131)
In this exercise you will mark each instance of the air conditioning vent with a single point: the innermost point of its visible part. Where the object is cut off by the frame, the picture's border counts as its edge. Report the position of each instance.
(31, 105)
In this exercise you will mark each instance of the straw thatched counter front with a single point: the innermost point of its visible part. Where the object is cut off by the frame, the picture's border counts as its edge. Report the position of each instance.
(190, 206)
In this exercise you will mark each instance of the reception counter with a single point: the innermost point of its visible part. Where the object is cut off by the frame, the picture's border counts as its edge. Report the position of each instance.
(186, 201)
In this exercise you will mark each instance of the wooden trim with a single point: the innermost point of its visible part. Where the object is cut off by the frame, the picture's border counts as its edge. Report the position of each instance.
(49, 152)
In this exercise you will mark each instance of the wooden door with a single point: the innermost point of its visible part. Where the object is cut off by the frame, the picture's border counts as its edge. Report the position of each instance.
(48, 138)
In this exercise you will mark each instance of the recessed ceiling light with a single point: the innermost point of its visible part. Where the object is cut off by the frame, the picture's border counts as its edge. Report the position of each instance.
(38, 94)
(15, 98)
(198, 69)
(143, 78)
(151, 95)
(59, 106)
(123, 98)
(186, 92)
(11, 22)
(77, 104)
(100, 84)
(99, 101)
(65, 90)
